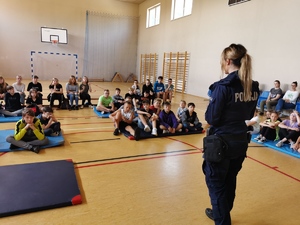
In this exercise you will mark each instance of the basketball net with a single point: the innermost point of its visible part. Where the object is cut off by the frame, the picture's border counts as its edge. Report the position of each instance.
(54, 42)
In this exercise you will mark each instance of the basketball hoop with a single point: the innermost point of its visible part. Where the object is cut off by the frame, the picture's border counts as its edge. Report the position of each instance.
(54, 42)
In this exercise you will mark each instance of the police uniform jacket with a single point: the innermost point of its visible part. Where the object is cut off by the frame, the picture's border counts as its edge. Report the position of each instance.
(228, 110)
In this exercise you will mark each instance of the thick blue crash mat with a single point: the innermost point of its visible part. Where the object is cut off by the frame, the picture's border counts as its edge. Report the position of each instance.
(100, 114)
(284, 149)
(37, 186)
(9, 119)
(4, 146)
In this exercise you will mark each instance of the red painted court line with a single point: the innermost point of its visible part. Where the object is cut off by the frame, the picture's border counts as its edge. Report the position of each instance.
(274, 168)
(164, 156)
(3, 153)
(134, 160)
(201, 150)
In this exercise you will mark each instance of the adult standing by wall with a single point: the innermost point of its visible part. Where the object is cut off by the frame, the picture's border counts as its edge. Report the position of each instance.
(233, 101)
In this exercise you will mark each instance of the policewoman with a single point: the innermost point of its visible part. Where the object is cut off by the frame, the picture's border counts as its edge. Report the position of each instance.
(233, 100)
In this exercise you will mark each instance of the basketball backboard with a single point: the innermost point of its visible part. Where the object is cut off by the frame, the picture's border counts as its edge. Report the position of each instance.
(50, 34)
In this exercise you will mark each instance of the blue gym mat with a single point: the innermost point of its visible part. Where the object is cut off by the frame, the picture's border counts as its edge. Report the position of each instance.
(38, 186)
(9, 119)
(99, 114)
(4, 146)
(284, 149)
(145, 135)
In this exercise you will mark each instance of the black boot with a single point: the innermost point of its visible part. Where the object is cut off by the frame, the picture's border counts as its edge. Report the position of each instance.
(209, 213)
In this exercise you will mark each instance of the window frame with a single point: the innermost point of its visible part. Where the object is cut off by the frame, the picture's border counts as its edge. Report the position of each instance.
(156, 17)
(185, 12)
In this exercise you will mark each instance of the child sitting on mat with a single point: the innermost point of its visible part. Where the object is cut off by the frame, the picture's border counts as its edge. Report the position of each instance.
(49, 123)
(269, 129)
(123, 121)
(146, 120)
(168, 120)
(181, 109)
(190, 119)
(29, 133)
(289, 130)
(105, 103)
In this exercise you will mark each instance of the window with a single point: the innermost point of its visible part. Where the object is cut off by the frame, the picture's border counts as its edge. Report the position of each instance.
(153, 16)
(234, 2)
(181, 8)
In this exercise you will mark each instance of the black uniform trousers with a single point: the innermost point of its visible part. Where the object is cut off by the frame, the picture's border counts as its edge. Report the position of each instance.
(221, 182)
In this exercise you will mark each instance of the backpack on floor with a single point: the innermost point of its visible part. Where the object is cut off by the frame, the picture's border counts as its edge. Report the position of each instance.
(64, 104)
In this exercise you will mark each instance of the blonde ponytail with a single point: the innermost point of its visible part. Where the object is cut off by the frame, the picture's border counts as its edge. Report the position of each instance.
(237, 53)
(245, 74)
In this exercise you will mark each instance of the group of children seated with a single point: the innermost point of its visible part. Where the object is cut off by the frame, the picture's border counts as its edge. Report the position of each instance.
(15, 98)
(148, 92)
(156, 118)
(132, 114)
(285, 131)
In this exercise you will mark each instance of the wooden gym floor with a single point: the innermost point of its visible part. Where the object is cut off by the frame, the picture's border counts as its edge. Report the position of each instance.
(156, 181)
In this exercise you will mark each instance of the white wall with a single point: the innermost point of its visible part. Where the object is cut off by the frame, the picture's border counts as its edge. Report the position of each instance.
(20, 22)
(269, 29)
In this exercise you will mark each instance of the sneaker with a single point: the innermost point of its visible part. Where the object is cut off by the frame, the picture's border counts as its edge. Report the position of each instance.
(102, 112)
(279, 144)
(54, 134)
(165, 131)
(35, 149)
(281, 115)
(137, 133)
(154, 131)
(292, 144)
(76, 107)
(147, 128)
(258, 138)
(209, 213)
(262, 140)
(116, 132)
(91, 106)
(81, 106)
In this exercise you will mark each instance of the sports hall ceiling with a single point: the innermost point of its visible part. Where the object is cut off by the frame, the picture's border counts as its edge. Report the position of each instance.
(133, 1)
